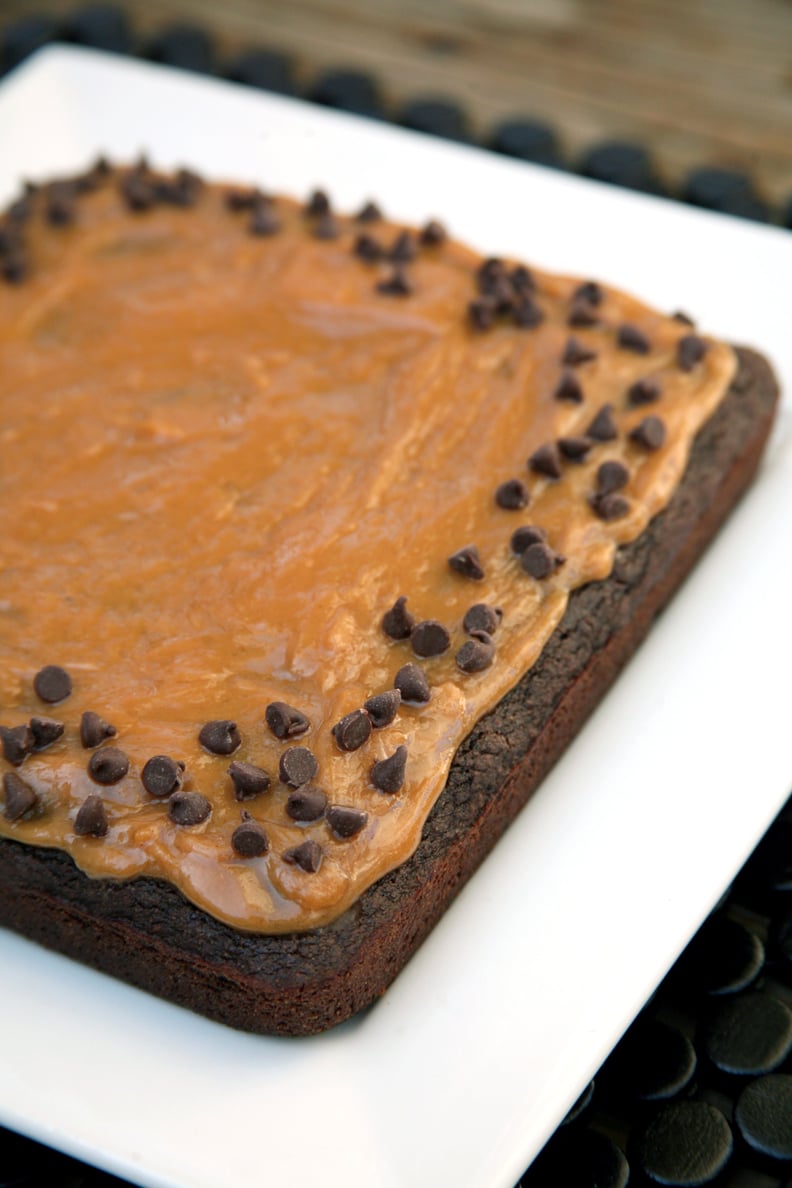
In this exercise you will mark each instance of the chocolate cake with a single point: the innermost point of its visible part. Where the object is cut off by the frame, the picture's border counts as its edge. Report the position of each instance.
(231, 702)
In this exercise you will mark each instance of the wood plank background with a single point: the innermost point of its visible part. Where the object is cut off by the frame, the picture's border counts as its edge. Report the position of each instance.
(697, 81)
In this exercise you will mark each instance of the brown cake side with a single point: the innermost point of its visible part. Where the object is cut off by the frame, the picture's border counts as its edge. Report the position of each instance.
(145, 932)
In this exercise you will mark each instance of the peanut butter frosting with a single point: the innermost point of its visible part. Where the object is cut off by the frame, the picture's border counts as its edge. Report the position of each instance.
(259, 461)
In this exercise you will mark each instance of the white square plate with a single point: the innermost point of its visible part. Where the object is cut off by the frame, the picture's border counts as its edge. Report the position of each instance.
(468, 1063)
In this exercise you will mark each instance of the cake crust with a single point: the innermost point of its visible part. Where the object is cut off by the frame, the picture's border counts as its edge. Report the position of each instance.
(145, 932)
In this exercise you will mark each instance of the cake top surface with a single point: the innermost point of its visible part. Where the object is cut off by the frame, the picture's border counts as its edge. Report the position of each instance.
(237, 433)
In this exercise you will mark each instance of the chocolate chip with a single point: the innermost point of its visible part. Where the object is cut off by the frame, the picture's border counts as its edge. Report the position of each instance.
(94, 730)
(137, 191)
(383, 707)
(161, 775)
(306, 804)
(476, 654)
(18, 742)
(317, 204)
(264, 221)
(512, 495)
(370, 213)
(649, 434)
(237, 200)
(612, 476)
(15, 267)
(285, 721)
(467, 562)
(500, 291)
(220, 737)
(248, 780)
(326, 227)
(297, 766)
(576, 352)
(527, 313)
(249, 839)
(397, 623)
(569, 388)
(308, 856)
(539, 561)
(610, 507)
(46, 731)
(188, 808)
(690, 350)
(52, 684)
(91, 819)
(345, 822)
(19, 797)
(184, 189)
(683, 318)
(546, 461)
(488, 271)
(59, 209)
(522, 280)
(630, 338)
(367, 248)
(352, 731)
(482, 617)
(574, 449)
(481, 312)
(603, 427)
(108, 765)
(526, 536)
(387, 775)
(590, 292)
(433, 234)
(395, 285)
(429, 638)
(583, 313)
(403, 249)
(643, 391)
(411, 682)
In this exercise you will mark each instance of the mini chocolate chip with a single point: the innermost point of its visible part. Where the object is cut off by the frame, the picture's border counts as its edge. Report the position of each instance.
(429, 638)
(476, 654)
(539, 560)
(263, 220)
(19, 797)
(522, 280)
(249, 839)
(306, 804)
(649, 434)
(317, 204)
(59, 210)
(690, 350)
(395, 285)
(326, 227)
(488, 270)
(583, 313)
(108, 765)
(137, 191)
(630, 338)
(590, 292)
(181, 190)
(46, 731)
(610, 507)
(220, 737)
(603, 427)
(612, 476)
(546, 461)
(387, 775)
(526, 312)
(683, 318)
(526, 536)
(383, 707)
(574, 449)
(21, 210)
(500, 290)
(512, 495)
(569, 387)
(188, 808)
(52, 684)
(369, 213)
(94, 730)
(576, 352)
(18, 742)
(643, 391)
(481, 312)
(352, 731)
(248, 780)
(367, 248)
(482, 617)
(161, 775)
(308, 856)
(285, 721)
(15, 267)
(297, 766)
(397, 623)
(411, 682)
(403, 249)
(91, 819)
(237, 200)
(345, 822)
(433, 234)
(467, 562)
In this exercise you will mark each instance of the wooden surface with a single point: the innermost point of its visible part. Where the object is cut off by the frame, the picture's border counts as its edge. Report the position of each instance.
(697, 81)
